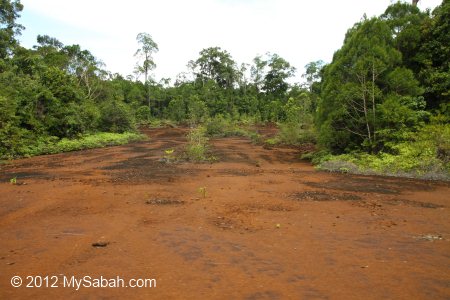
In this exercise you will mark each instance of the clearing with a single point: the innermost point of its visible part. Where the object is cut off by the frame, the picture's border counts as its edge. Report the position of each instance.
(268, 227)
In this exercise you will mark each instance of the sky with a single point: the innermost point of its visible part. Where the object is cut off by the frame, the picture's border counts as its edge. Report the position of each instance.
(299, 31)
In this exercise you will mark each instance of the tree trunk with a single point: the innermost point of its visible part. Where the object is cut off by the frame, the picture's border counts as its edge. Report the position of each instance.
(414, 2)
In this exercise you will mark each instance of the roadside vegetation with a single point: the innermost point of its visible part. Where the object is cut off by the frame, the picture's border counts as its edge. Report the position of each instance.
(379, 107)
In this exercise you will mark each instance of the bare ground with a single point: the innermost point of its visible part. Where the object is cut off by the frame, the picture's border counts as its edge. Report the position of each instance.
(270, 226)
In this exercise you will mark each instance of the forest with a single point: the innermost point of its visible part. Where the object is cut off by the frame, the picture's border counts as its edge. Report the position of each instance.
(381, 106)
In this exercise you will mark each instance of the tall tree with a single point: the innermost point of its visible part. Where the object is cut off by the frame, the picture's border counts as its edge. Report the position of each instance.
(279, 70)
(406, 22)
(216, 64)
(258, 72)
(312, 73)
(364, 73)
(434, 58)
(9, 12)
(147, 47)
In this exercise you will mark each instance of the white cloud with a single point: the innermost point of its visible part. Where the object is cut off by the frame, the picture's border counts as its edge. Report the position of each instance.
(300, 31)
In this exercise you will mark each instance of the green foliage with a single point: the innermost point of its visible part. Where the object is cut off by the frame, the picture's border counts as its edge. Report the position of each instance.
(366, 92)
(197, 147)
(177, 110)
(215, 64)
(295, 134)
(219, 126)
(433, 58)
(424, 156)
(51, 145)
(197, 110)
(143, 115)
(382, 103)
(116, 117)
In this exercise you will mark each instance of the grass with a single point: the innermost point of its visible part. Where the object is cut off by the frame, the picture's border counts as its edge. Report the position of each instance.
(51, 145)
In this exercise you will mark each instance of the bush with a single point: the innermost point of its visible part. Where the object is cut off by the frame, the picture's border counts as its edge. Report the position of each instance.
(197, 147)
(116, 117)
(222, 127)
(295, 134)
(216, 126)
(143, 115)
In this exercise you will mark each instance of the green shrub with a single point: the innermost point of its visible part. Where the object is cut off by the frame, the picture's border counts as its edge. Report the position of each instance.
(143, 114)
(197, 147)
(217, 125)
(295, 134)
(116, 117)
(220, 126)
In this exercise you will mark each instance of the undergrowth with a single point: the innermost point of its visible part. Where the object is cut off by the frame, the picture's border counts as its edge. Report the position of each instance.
(426, 157)
(51, 145)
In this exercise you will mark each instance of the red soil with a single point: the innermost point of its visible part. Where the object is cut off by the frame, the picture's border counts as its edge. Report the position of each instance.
(270, 226)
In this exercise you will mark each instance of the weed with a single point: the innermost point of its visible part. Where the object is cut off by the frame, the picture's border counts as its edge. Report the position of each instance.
(202, 191)
(169, 156)
(13, 180)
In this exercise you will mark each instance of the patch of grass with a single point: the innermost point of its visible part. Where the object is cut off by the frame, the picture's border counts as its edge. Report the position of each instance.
(426, 155)
(159, 123)
(51, 145)
(411, 161)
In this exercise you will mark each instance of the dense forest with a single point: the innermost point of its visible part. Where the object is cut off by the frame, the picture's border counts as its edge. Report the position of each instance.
(381, 105)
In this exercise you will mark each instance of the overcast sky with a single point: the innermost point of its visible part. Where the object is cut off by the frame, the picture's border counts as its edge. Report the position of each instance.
(299, 31)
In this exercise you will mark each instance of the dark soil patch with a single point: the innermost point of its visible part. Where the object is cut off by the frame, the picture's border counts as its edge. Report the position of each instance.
(6, 176)
(322, 196)
(368, 184)
(238, 172)
(412, 203)
(364, 186)
(164, 202)
(142, 169)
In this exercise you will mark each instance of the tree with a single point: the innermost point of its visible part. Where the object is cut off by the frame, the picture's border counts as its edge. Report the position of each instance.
(9, 12)
(406, 22)
(279, 70)
(363, 74)
(312, 73)
(258, 72)
(215, 64)
(86, 68)
(145, 56)
(434, 56)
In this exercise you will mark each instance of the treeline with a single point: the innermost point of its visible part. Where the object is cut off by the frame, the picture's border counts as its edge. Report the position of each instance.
(387, 86)
(55, 91)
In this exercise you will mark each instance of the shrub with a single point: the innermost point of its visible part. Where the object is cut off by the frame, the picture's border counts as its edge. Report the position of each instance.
(143, 115)
(295, 134)
(116, 117)
(197, 147)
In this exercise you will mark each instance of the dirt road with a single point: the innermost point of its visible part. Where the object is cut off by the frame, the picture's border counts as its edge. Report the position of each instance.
(268, 227)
